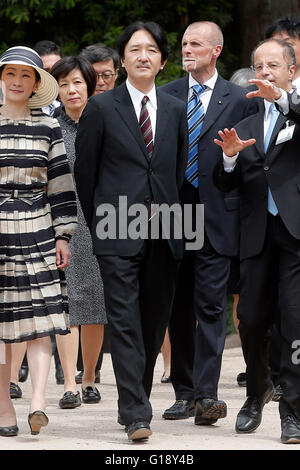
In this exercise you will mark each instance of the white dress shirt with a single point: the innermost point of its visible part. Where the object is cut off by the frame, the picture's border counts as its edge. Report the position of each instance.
(206, 94)
(136, 98)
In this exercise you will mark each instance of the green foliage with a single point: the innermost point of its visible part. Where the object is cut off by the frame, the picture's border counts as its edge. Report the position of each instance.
(74, 24)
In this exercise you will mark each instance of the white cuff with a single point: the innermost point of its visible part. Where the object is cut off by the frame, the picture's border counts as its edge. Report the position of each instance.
(229, 162)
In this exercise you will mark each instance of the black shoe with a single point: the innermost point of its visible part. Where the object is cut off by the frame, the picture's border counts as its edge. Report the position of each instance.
(90, 395)
(23, 373)
(241, 379)
(15, 391)
(59, 375)
(277, 393)
(78, 377)
(290, 428)
(120, 420)
(208, 411)
(250, 415)
(166, 379)
(138, 430)
(70, 400)
(182, 409)
(9, 431)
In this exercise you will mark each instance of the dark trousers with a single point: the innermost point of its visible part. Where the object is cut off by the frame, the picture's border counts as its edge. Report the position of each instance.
(201, 295)
(269, 280)
(182, 330)
(138, 292)
(210, 299)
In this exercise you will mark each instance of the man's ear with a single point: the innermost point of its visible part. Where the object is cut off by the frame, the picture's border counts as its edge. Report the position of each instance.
(163, 63)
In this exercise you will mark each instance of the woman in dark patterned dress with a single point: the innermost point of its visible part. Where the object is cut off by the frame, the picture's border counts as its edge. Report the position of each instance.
(77, 80)
(37, 219)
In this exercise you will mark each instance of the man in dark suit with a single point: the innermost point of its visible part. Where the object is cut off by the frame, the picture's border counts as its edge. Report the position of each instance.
(132, 142)
(268, 174)
(202, 288)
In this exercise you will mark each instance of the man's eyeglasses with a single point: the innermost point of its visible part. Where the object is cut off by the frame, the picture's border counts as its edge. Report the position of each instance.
(271, 67)
(106, 76)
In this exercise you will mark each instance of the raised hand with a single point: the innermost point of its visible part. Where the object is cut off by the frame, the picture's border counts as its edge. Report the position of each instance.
(231, 143)
(266, 90)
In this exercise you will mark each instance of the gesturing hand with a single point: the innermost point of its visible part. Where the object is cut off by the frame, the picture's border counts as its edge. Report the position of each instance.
(231, 143)
(266, 90)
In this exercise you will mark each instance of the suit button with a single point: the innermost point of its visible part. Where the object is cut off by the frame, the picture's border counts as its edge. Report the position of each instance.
(266, 168)
(150, 171)
(147, 200)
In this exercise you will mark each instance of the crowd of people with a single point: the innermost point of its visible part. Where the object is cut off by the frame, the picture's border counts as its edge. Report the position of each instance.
(71, 144)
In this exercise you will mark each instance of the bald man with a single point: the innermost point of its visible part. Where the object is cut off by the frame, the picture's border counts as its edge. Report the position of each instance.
(201, 294)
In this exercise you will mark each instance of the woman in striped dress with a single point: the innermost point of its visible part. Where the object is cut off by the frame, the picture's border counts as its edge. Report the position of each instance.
(37, 219)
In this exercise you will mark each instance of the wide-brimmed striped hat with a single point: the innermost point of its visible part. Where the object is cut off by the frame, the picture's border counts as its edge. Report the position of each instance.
(48, 88)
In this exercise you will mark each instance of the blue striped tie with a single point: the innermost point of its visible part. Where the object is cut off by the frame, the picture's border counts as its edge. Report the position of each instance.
(272, 208)
(195, 116)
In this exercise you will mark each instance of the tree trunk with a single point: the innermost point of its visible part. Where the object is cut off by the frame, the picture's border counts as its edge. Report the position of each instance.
(255, 17)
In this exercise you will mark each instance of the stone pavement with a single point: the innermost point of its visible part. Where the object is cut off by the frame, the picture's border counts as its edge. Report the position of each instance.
(94, 427)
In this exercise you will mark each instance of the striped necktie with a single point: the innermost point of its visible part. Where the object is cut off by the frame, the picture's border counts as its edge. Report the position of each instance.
(195, 116)
(272, 208)
(145, 125)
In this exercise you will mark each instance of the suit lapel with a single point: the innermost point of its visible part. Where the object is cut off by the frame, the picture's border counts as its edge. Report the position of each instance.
(161, 119)
(219, 100)
(126, 110)
(273, 149)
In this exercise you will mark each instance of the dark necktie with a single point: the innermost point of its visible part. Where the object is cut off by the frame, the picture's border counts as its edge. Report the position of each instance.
(195, 116)
(145, 125)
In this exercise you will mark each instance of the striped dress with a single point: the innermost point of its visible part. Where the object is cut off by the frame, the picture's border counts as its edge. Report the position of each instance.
(37, 206)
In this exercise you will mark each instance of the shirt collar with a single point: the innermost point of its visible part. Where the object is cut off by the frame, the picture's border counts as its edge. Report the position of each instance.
(137, 96)
(210, 83)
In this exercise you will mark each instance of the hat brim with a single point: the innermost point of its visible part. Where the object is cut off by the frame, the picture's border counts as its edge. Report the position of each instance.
(48, 88)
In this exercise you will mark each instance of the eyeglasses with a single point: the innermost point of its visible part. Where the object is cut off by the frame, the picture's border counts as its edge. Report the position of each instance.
(273, 67)
(106, 76)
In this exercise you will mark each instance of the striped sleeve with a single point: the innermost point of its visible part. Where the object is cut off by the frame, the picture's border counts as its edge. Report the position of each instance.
(60, 189)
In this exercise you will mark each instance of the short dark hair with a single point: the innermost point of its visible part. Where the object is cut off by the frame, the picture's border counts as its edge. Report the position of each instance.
(64, 66)
(99, 52)
(287, 50)
(290, 25)
(153, 28)
(47, 47)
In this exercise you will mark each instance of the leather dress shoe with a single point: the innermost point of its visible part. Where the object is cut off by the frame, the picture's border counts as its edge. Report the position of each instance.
(59, 375)
(250, 415)
(15, 391)
(23, 373)
(241, 379)
(137, 430)
(78, 377)
(9, 431)
(290, 430)
(90, 395)
(209, 410)
(70, 400)
(182, 409)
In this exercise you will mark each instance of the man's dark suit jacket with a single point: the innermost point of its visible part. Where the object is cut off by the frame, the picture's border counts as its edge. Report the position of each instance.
(112, 160)
(227, 106)
(279, 169)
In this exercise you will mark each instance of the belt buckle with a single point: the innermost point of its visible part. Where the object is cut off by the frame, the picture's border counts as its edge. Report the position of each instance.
(15, 193)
